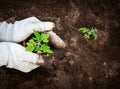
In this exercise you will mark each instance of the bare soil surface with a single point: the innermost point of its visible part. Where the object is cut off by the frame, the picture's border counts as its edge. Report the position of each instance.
(93, 64)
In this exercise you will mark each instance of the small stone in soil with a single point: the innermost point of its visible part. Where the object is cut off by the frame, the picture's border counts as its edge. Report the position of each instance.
(71, 62)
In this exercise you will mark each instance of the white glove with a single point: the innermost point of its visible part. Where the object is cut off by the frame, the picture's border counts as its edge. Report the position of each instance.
(21, 30)
(15, 56)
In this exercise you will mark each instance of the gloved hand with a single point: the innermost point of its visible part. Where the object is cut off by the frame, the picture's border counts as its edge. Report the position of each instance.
(21, 30)
(14, 55)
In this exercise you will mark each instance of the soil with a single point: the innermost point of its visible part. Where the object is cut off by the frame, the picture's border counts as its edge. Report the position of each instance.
(93, 64)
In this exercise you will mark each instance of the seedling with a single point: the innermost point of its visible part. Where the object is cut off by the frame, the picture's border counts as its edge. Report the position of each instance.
(88, 33)
(39, 43)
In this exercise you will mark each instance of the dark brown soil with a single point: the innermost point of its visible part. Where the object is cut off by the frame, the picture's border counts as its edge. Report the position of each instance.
(83, 64)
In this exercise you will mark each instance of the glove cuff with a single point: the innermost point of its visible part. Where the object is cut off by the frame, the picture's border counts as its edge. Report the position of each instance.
(6, 31)
(4, 54)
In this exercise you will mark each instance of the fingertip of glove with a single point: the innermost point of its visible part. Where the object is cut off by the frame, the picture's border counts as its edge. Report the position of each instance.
(40, 61)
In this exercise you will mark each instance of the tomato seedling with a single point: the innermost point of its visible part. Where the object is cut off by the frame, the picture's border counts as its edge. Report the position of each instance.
(39, 43)
(88, 33)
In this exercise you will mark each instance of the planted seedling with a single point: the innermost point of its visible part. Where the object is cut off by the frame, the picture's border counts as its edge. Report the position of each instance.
(39, 43)
(88, 33)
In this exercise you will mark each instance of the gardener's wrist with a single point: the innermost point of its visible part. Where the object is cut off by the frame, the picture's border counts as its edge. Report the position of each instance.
(6, 31)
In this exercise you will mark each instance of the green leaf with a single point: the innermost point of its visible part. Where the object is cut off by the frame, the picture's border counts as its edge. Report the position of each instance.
(86, 36)
(30, 48)
(30, 45)
(39, 52)
(36, 49)
(45, 38)
(83, 29)
(45, 48)
(95, 36)
(37, 35)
